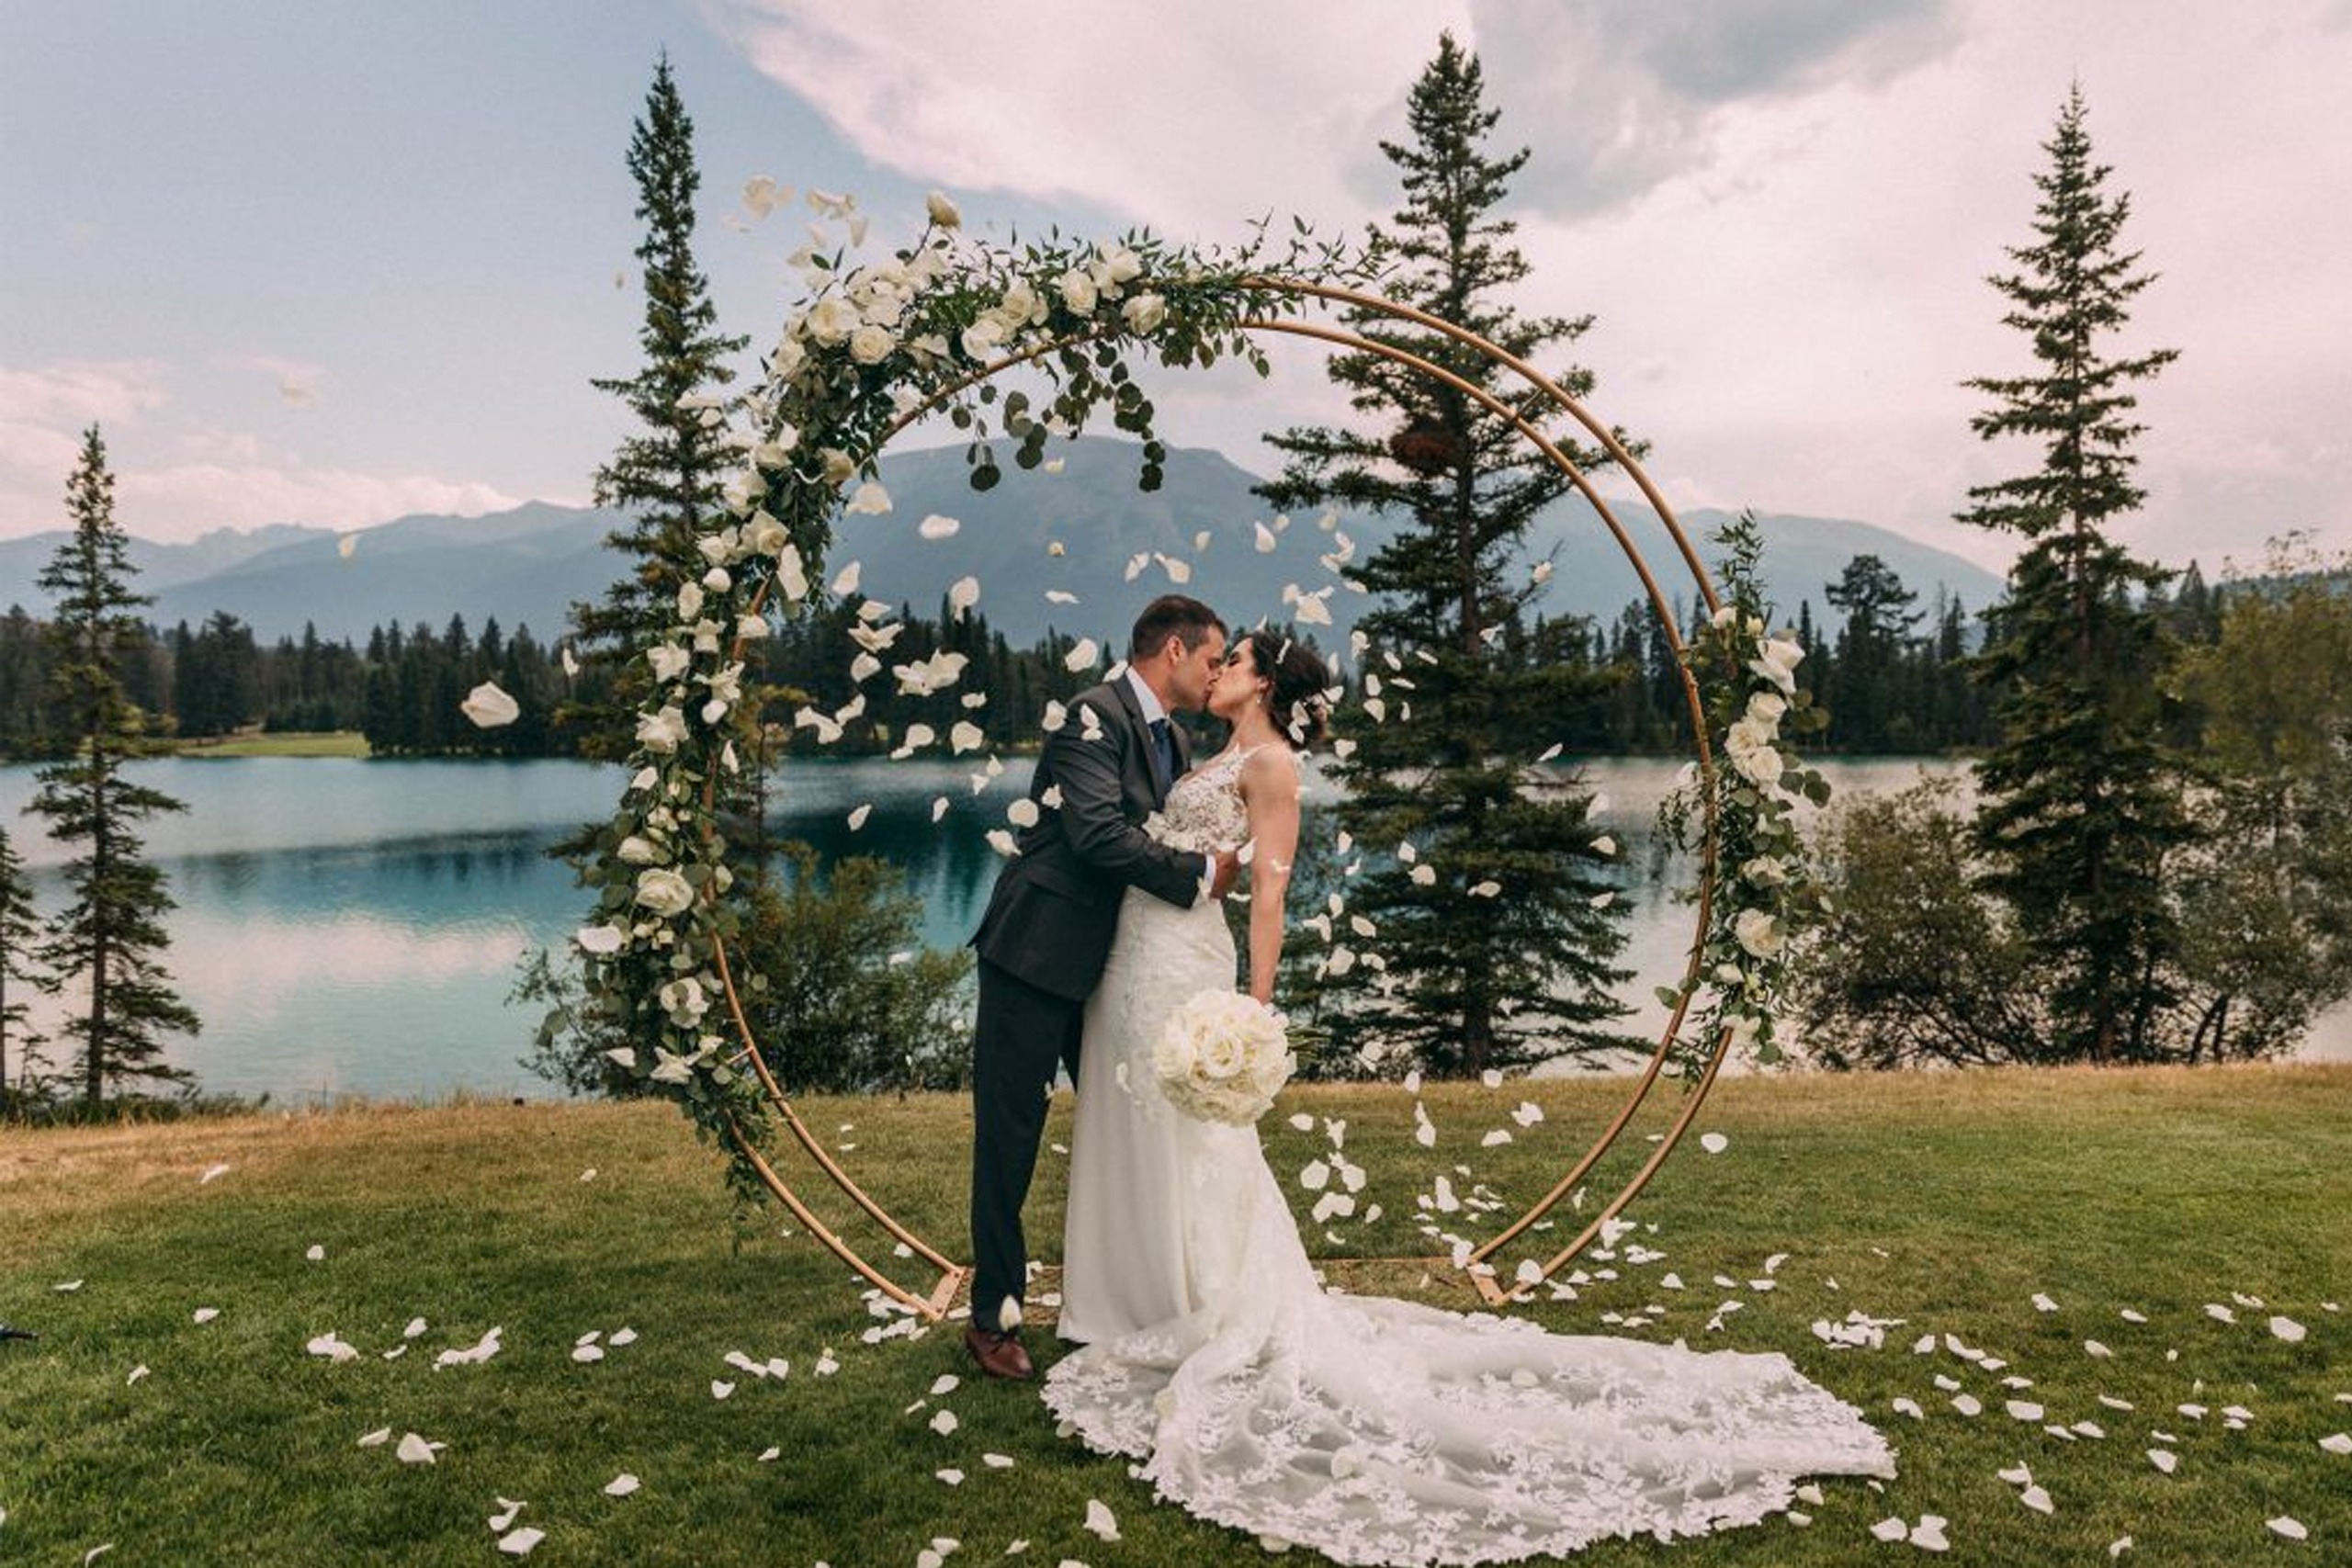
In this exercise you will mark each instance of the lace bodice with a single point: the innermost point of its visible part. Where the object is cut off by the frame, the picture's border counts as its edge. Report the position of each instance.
(1204, 812)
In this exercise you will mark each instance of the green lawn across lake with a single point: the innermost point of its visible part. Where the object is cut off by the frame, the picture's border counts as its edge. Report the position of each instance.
(2157, 1259)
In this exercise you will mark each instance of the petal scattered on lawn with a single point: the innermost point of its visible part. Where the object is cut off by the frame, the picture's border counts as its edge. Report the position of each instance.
(2289, 1528)
(508, 1507)
(1713, 1143)
(2337, 1442)
(206, 1315)
(1891, 1530)
(2287, 1328)
(332, 1347)
(381, 1436)
(720, 1390)
(414, 1449)
(211, 1174)
(621, 1485)
(1100, 1521)
(518, 1544)
(2164, 1459)
(315, 1254)
(944, 1423)
(2037, 1499)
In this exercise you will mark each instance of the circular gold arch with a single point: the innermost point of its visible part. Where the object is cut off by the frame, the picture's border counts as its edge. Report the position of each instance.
(1542, 394)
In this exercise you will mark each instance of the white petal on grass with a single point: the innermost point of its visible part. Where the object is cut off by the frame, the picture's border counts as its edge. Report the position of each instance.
(2043, 1303)
(997, 1461)
(413, 1450)
(212, 1174)
(518, 1544)
(2288, 1528)
(621, 1485)
(376, 1438)
(1713, 1143)
(944, 1423)
(2164, 1459)
(508, 1508)
(720, 1390)
(2287, 1328)
(2037, 1499)
(1100, 1520)
(1891, 1530)
(334, 1347)
(206, 1315)
(2338, 1443)
(315, 1254)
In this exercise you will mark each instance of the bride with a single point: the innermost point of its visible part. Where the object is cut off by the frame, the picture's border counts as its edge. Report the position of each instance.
(1371, 1430)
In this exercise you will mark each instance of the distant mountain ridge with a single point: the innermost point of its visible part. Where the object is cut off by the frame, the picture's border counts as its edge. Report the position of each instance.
(526, 567)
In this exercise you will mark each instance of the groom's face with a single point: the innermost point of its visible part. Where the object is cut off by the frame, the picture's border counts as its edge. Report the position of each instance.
(1192, 671)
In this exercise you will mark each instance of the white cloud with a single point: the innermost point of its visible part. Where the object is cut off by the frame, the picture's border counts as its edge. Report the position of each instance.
(1193, 120)
(186, 500)
(76, 391)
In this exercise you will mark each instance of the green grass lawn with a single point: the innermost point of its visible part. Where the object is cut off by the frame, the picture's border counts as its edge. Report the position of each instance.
(1946, 1202)
(321, 743)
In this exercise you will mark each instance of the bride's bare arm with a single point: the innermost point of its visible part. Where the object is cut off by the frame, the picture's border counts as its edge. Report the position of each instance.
(1271, 789)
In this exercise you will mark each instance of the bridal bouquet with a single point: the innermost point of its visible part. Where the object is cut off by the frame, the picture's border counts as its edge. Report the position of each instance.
(1223, 1057)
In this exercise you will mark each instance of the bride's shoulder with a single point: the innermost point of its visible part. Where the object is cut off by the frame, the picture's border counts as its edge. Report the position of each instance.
(1273, 764)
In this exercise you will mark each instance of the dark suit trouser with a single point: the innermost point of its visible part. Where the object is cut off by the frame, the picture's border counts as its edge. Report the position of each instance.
(1020, 1035)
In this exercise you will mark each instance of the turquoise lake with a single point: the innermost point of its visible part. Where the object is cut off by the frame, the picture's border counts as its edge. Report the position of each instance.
(353, 928)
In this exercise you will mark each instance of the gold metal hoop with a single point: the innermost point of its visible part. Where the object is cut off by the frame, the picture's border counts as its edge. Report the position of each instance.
(933, 1302)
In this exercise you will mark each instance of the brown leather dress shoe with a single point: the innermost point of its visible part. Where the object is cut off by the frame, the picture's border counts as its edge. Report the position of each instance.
(1000, 1355)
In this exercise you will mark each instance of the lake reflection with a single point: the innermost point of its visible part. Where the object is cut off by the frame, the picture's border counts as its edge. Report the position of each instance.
(351, 926)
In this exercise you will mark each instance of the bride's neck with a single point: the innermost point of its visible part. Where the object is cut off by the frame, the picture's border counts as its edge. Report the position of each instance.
(1255, 728)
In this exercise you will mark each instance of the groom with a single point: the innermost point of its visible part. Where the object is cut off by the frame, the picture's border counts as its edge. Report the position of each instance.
(1047, 932)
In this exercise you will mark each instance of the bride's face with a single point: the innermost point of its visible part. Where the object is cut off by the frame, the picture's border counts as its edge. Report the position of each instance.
(1238, 686)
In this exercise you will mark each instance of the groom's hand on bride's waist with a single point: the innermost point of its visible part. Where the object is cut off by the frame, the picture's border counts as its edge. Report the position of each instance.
(1224, 866)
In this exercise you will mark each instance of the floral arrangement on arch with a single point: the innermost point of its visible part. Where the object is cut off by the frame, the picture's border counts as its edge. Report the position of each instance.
(876, 341)
(1761, 890)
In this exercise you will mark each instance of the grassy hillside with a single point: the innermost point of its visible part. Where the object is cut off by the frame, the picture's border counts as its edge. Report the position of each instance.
(1945, 1203)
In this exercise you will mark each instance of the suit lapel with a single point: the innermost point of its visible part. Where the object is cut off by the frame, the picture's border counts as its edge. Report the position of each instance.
(1142, 749)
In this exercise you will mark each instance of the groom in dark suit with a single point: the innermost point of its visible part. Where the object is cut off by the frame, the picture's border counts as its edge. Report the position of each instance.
(1046, 934)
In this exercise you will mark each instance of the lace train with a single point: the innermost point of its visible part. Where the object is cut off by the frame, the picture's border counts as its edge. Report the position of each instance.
(1372, 1432)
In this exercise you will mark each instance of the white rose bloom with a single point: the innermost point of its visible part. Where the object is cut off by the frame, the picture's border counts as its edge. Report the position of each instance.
(1758, 932)
(1764, 871)
(1777, 659)
(766, 535)
(706, 635)
(838, 465)
(689, 601)
(941, 211)
(1221, 1057)
(776, 453)
(1725, 619)
(665, 891)
(1766, 708)
(1078, 292)
(719, 549)
(830, 321)
(1119, 264)
(639, 849)
(753, 627)
(1144, 313)
(870, 344)
(1752, 752)
(789, 359)
(982, 338)
(644, 778)
(1021, 306)
(661, 731)
(716, 581)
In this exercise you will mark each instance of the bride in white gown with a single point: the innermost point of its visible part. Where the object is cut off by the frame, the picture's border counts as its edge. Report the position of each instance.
(1371, 1430)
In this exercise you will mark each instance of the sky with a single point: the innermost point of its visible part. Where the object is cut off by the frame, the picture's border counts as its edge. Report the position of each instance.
(335, 264)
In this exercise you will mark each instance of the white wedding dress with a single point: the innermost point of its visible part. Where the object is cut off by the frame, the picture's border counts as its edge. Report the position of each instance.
(1372, 1432)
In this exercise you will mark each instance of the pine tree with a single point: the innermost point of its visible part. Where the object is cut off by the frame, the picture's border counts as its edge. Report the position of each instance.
(2081, 797)
(1880, 620)
(20, 938)
(666, 476)
(108, 941)
(1461, 978)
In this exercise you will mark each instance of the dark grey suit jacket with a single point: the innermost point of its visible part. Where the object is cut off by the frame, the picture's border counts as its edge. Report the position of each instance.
(1055, 905)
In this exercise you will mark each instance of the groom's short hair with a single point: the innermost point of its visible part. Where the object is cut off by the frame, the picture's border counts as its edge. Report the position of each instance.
(1171, 614)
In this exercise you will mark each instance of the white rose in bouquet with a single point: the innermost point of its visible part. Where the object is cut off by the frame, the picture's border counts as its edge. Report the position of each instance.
(1223, 1057)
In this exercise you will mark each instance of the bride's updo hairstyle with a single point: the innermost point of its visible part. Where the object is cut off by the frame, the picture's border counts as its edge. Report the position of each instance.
(1300, 708)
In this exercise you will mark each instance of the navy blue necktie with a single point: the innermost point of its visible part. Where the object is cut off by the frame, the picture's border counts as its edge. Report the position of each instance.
(1164, 744)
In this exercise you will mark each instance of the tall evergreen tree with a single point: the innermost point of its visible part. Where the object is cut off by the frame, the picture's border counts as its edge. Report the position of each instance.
(19, 940)
(667, 475)
(1490, 950)
(1864, 701)
(2081, 797)
(108, 941)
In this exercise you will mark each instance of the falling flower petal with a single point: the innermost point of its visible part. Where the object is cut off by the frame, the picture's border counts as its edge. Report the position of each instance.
(869, 500)
(937, 527)
(489, 707)
(1084, 656)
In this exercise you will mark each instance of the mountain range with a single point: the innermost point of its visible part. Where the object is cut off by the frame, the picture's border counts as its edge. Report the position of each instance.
(1084, 530)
